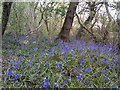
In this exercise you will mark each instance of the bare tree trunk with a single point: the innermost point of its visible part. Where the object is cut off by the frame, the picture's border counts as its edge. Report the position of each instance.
(5, 15)
(64, 33)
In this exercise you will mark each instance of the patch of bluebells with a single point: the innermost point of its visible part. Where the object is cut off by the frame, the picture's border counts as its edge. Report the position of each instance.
(85, 52)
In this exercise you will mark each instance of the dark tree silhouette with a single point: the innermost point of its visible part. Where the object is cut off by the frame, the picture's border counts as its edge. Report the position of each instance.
(5, 15)
(64, 33)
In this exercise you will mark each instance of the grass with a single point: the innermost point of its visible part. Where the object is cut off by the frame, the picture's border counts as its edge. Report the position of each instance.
(36, 62)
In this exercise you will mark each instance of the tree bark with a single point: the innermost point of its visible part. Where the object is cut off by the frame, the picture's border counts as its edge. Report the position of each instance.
(64, 33)
(5, 15)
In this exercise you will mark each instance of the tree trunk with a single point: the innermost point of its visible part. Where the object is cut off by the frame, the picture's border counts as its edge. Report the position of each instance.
(89, 19)
(64, 33)
(5, 15)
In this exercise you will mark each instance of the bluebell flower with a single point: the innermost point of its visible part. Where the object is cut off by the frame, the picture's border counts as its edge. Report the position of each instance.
(61, 50)
(104, 71)
(66, 81)
(10, 73)
(82, 61)
(35, 49)
(59, 64)
(65, 56)
(46, 82)
(83, 84)
(105, 77)
(47, 64)
(56, 85)
(51, 54)
(19, 62)
(96, 89)
(16, 77)
(92, 59)
(81, 67)
(88, 70)
(11, 62)
(113, 86)
(40, 86)
(91, 83)
(103, 61)
(31, 62)
(36, 64)
(23, 46)
(62, 86)
(53, 49)
(79, 77)
(16, 66)
(65, 50)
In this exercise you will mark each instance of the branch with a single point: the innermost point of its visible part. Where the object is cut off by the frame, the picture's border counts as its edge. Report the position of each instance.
(85, 28)
(82, 24)
(107, 10)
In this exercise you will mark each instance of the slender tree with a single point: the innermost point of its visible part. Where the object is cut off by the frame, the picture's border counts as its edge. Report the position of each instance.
(64, 33)
(91, 16)
(5, 15)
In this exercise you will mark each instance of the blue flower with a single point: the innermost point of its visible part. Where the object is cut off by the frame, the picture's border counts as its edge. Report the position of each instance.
(105, 77)
(104, 71)
(91, 83)
(104, 61)
(61, 51)
(19, 62)
(79, 77)
(59, 64)
(47, 64)
(92, 59)
(88, 70)
(53, 49)
(65, 56)
(66, 81)
(46, 83)
(10, 73)
(56, 84)
(36, 64)
(31, 62)
(96, 89)
(16, 77)
(16, 66)
(23, 46)
(82, 61)
(113, 86)
(35, 49)
(81, 67)
(51, 54)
